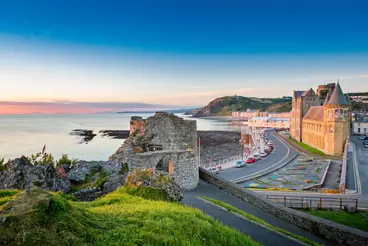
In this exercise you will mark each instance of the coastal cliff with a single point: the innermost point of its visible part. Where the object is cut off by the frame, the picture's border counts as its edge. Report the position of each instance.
(223, 106)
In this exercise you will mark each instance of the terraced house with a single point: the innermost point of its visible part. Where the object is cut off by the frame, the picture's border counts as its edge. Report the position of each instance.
(325, 127)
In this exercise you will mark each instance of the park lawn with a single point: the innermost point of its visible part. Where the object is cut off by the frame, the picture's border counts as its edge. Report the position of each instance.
(119, 218)
(357, 220)
(307, 147)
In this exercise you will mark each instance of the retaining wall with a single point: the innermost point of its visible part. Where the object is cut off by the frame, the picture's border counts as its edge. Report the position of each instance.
(342, 235)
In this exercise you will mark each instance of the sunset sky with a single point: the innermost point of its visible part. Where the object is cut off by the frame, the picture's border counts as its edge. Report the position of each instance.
(95, 56)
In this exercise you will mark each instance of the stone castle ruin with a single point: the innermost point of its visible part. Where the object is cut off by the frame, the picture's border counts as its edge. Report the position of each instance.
(163, 142)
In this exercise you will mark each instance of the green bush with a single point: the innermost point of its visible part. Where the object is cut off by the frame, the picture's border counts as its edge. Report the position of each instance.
(3, 166)
(45, 159)
(64, 160)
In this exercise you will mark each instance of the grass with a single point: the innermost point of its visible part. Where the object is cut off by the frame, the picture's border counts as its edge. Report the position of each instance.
(357, 220)
(307, 147)
(259, 221)
(119, 218)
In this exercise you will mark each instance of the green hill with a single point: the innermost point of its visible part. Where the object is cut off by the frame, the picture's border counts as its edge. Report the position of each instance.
(119, 218)
(223, 106)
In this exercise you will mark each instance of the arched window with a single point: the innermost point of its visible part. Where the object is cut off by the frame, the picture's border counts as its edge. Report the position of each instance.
(330, 130)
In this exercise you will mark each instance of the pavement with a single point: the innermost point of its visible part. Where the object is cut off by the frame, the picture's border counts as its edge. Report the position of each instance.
(256, 232)
(362, 159)
(332, 178)
(282, 153)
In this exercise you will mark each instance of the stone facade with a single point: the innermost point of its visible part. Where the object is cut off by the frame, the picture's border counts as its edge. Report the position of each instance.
(338, 234)
(302, 101)
(326, 127)
(159, 140)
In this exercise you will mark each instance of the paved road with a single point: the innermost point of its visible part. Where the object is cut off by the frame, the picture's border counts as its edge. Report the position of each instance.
(282, 154)
(362, 158)
(259, 234)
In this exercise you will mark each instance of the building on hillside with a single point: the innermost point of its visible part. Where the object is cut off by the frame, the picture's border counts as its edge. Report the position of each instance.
(269, 122)
(326, 127)
(257, 113)
(249, 114)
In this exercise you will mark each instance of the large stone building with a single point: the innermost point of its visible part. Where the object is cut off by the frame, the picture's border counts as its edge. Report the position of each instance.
(325, 127)
(163, 142)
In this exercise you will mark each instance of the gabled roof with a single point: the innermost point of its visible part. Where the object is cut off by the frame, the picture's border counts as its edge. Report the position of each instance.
(306, 92)
(337, 97)
(298, 93)
(316, 113)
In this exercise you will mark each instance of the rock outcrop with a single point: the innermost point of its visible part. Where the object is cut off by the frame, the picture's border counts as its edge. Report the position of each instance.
(21, 174)
(86, 180)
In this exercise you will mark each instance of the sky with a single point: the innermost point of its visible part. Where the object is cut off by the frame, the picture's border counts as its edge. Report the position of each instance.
(86, 56)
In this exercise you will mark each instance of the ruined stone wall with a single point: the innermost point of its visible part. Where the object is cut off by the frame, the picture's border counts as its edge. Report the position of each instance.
(172, 132)
(178, 138)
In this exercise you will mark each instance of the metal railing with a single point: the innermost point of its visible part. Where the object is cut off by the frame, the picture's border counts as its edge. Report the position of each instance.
(334, 203)
(220, 162)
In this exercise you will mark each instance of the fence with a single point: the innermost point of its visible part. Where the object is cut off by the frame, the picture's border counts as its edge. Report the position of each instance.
(319, 202)
(220, 162)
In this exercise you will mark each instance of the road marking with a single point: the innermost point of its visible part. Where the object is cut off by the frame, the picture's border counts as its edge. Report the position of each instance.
(248, 176)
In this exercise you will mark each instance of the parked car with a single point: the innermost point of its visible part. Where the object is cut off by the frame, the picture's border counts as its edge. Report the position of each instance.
(257, 156)
(365, 142)
(240, 164)
(363, 137)
(251, 160)
(366, 145)
(269, 142)
(263, 154)
(214, 170)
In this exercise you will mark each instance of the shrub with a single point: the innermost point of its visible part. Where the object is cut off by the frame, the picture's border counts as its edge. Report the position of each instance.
(3, 165)
(64, 160)
(38, 160)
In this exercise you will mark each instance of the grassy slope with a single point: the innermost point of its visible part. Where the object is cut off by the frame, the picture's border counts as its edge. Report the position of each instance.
(259, 221)
(356, 220)
(42, 218)
(307, 147)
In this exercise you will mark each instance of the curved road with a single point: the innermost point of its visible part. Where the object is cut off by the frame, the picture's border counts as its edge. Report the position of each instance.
(283, 153)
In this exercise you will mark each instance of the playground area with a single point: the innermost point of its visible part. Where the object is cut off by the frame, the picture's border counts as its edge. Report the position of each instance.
(301, 174)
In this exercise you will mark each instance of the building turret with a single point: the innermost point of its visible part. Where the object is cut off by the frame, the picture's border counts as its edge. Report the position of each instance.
(337, 119)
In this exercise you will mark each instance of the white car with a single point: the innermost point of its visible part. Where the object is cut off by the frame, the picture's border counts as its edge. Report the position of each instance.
(263, 154)
(257, 156)
(214, 170)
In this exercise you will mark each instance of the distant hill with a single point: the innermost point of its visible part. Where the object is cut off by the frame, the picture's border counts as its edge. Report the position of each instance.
(223, 106)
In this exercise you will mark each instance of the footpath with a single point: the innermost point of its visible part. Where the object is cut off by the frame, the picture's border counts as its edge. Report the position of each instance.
(258, 233)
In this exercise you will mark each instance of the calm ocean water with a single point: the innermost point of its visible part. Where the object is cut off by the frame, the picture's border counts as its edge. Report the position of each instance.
(26, 134)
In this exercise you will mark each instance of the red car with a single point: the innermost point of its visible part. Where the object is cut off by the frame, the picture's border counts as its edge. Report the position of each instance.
(251, 160)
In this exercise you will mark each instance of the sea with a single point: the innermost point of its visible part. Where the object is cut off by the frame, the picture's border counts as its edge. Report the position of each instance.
(27, 134)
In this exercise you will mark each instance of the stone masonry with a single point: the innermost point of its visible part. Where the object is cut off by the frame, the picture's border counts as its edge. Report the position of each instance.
(159, 140)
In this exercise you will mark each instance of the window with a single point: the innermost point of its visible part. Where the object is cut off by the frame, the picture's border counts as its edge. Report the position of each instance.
(365, 130)
(358, 130)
